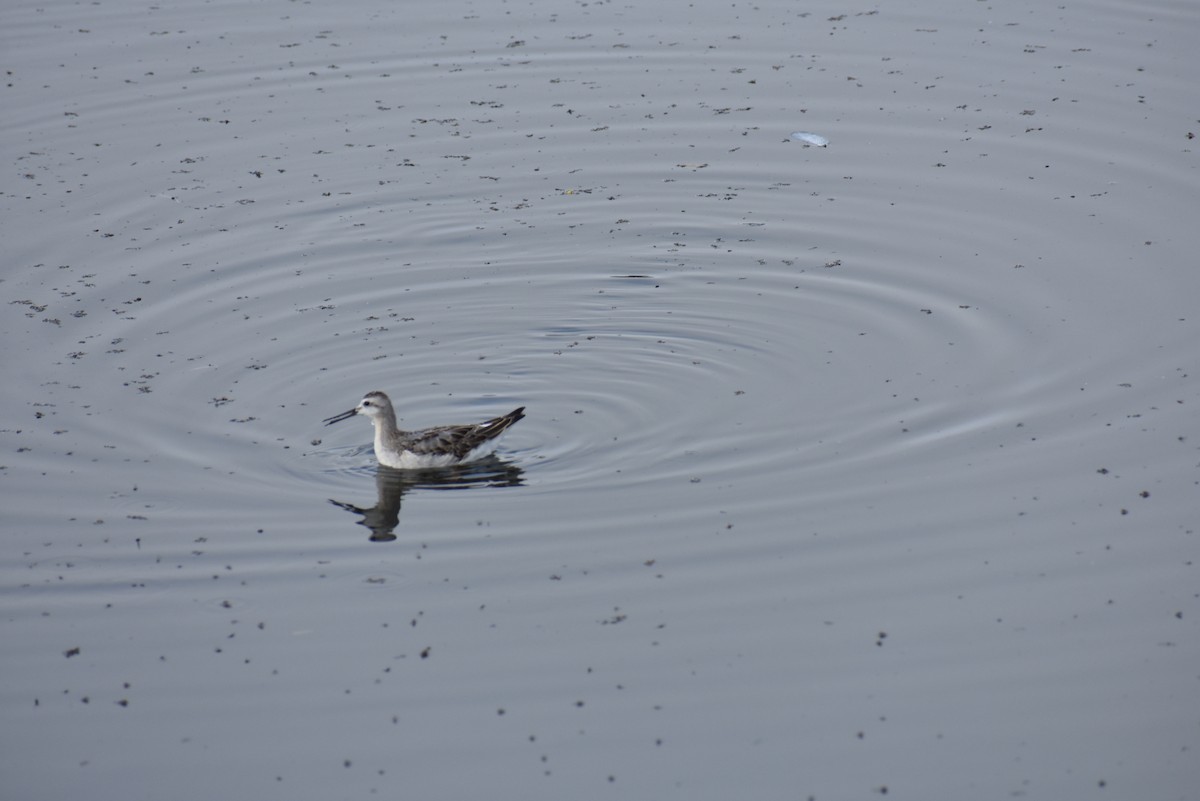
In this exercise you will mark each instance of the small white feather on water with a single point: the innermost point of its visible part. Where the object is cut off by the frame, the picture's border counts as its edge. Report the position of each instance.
(816, 140)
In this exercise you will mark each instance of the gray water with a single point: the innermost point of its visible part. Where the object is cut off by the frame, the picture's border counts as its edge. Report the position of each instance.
(848, 472)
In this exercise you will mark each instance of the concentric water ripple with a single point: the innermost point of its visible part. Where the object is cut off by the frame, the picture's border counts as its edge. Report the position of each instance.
(802, 421)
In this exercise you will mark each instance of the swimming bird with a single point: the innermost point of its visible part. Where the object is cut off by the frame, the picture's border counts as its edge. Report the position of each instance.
(441, 446)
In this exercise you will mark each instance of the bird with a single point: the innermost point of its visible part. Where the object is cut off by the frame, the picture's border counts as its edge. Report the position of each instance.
(440, 446)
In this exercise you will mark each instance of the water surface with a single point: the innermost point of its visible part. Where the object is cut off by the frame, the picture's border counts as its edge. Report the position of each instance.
(848, 471)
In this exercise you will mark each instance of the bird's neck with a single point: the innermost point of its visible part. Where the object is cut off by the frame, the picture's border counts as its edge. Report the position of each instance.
(385, 424)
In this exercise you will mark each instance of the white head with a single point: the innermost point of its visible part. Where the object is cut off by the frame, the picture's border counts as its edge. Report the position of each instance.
(374, 405)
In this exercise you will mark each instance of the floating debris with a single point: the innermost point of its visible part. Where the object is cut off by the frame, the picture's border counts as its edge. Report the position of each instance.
(816, 140)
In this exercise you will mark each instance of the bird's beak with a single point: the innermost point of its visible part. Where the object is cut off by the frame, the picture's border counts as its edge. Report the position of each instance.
(337, 418)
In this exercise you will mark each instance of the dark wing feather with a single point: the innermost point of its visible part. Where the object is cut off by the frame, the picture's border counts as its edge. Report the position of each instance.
(461, 440)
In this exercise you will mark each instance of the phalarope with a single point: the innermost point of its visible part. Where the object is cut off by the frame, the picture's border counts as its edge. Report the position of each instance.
(441, 446)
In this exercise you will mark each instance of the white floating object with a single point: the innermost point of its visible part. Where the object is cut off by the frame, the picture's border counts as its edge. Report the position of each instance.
(816, 140)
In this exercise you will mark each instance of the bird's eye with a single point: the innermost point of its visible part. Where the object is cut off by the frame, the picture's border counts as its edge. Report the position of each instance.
(366, 403)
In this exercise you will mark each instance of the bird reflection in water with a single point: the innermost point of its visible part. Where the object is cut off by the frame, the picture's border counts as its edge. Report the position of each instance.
(392, 485)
